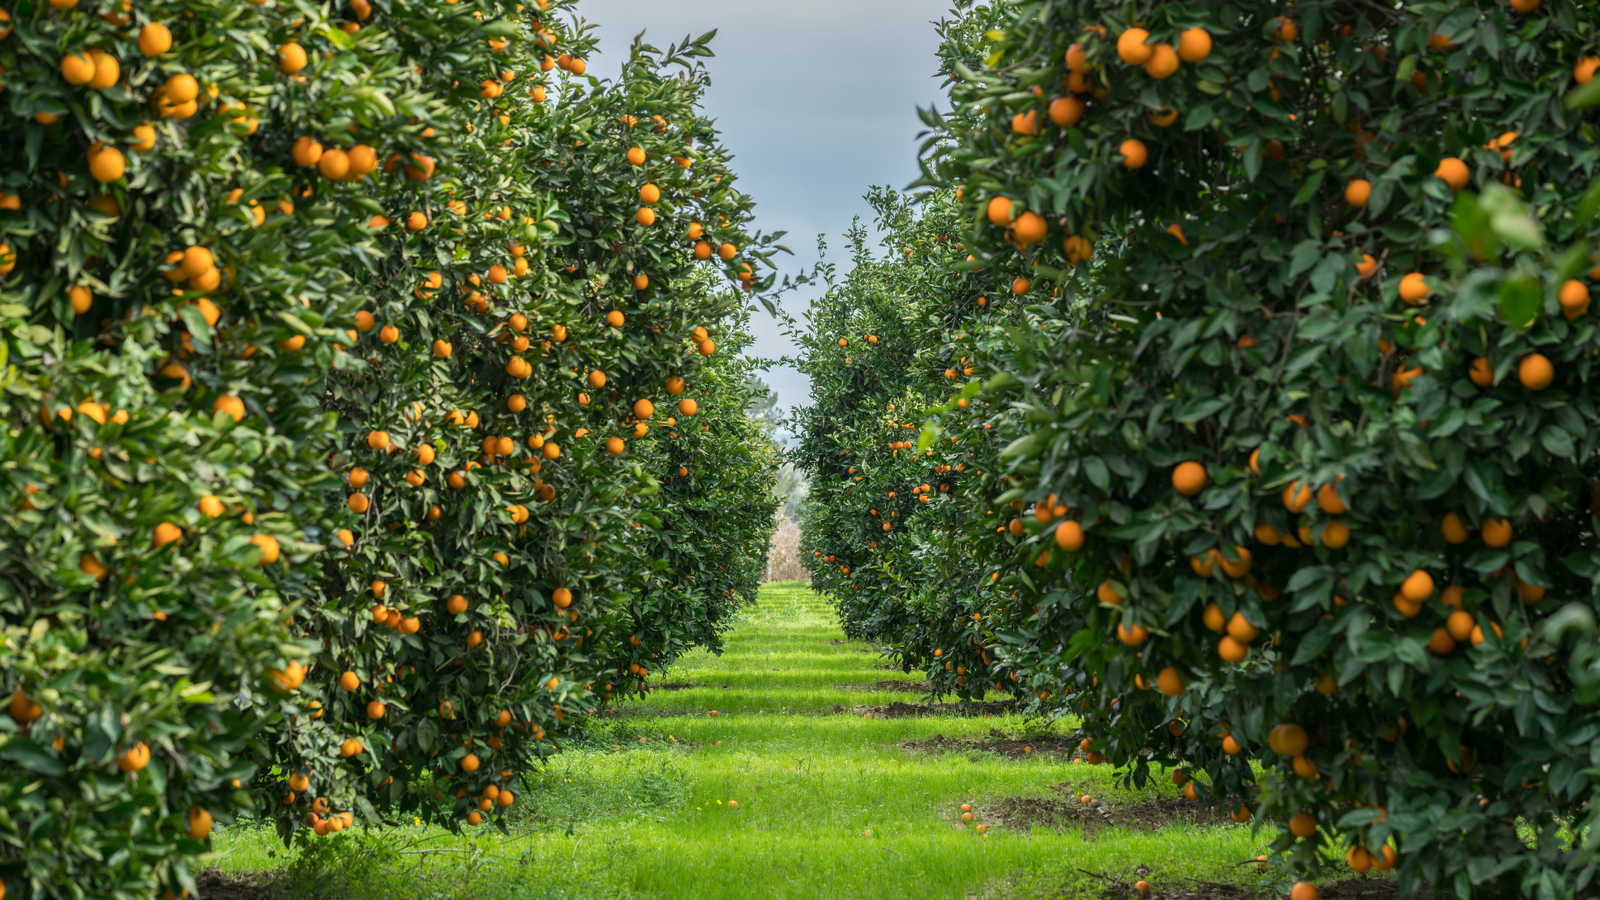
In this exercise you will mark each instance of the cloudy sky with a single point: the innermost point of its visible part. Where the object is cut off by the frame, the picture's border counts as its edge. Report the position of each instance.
(816, 101)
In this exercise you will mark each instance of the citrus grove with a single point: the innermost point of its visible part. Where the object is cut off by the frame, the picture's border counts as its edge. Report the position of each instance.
(373, 415)
(1271, 449)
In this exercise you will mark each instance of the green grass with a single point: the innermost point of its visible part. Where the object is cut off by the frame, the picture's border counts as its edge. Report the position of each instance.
(829, 806)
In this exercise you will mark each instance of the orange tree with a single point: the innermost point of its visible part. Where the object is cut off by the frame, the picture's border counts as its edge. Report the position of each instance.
(703, 539)
(539, 313)
(1318, 436)
(885, 533)
(167, 297)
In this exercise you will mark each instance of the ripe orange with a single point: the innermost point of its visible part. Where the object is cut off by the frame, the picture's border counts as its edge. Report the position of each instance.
(1066, 111)
(1357, 192)
(199, 823)
(999, 211)
(1029, 228)
(1132, 635)
(1574, 298)
(1413, 288)
(1194, 45)
(1069, 535)
(1296, 497)
(349, 681)
(1481, 373)
(1171, 682)
(1131, 47)
(1454, 173)
(1535, 372)
(1583, 71)
(1189, 478)
(1163, 62)
(1107, 593)
(1304, 890)
(1418, 586)
(1232, 650)
(1133, 153)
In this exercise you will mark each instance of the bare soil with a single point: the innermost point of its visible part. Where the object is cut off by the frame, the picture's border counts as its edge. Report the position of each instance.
(900, 710)
(998, 742)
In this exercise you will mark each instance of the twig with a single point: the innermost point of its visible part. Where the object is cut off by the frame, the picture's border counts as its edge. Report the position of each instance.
(896, 855)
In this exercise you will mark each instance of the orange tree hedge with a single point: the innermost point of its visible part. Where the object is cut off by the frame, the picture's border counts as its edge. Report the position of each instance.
(531, 343)
(885, 534)
(187, 243)
(1320, 429)
(163, 432)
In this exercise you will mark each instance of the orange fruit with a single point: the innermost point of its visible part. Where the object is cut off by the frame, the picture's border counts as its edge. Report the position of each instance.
(1481, 373)
(1296, 497)
(1235, 569)
(1574, 297)
(1066, 111)
(1357, 192)
(1133, 153)
(1304, 890)
(1212, 617)
(1232, 650)
(268, 545)
(1359, 860)
(1171, 682)
(1069, 535)
(291, 57)
(1131, 47)
(1163, 61)
(154, 39)
(199, 823)
(1535, 372)
(1132, 635)
(1454, 173)
(1194, 45)
(1413, 288)
(1441, 644)
(1107, 593)
(1239, 628)
(1029, 228)
(1583, 72)
(1303, 825)
(1418, 586)
(999, 211)
(1335, 534)
(1189, 478)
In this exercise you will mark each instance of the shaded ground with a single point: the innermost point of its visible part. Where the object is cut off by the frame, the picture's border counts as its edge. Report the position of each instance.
(908, 687)
(1122, 888)
(214, 885)
(900, 710)
(1067, 810)
(997, 742)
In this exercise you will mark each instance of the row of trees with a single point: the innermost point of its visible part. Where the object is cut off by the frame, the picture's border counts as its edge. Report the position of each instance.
(1278, 428)
(372, 379)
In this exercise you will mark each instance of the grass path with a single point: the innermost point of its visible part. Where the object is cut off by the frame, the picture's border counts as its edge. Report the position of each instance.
(828, 805)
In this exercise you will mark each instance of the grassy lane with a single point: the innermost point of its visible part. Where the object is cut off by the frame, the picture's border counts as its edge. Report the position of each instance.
(828, 805)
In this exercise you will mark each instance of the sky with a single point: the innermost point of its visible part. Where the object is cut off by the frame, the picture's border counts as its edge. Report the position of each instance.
(815, 100)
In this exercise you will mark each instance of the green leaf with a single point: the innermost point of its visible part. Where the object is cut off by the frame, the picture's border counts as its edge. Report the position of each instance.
(1585, 97)
(33, 757)
(1521, 301)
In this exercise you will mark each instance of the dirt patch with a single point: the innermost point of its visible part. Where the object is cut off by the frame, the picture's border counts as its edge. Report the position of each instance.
(1067, 810)
(1373, 888)
(901, 710)
(997, 742)
(215, 885)
(908, 687)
